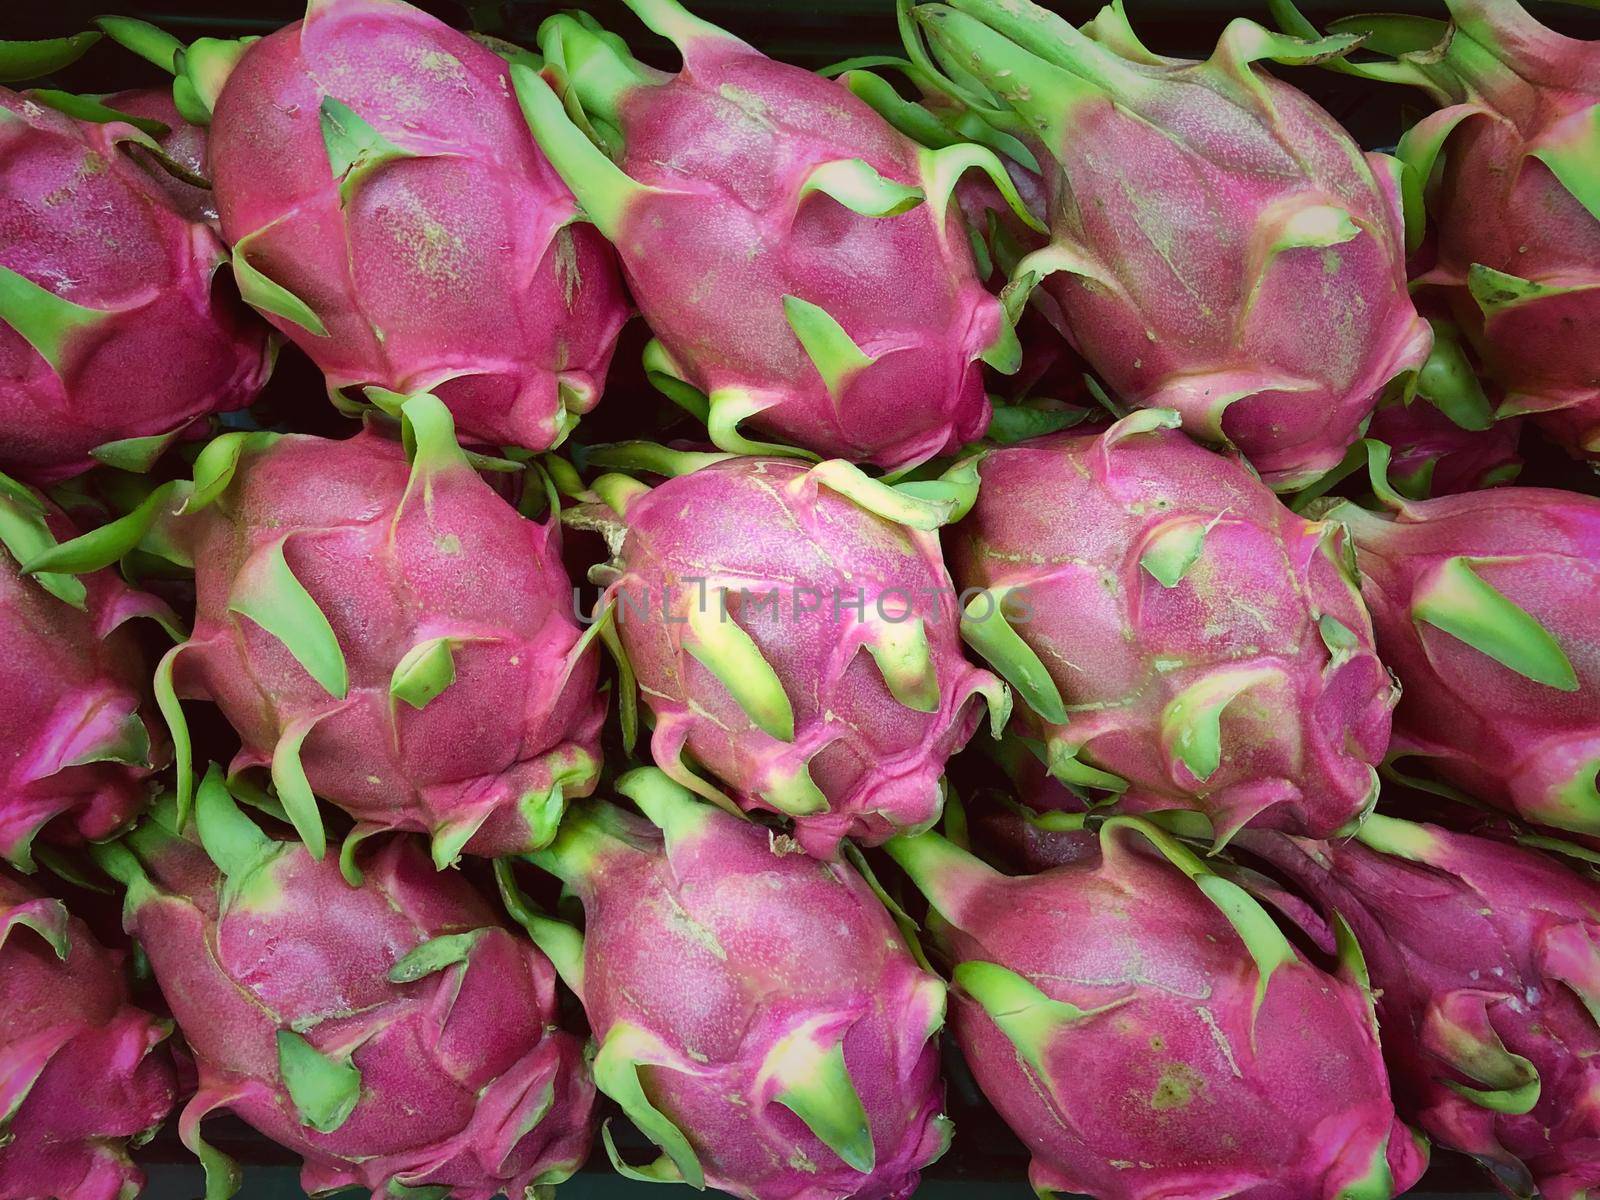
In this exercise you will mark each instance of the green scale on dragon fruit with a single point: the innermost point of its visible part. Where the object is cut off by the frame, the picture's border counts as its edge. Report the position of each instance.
(1484, 606)
(1485, 959)
(1219, 244)
(115, 336)
(391, 215)
(794, 632)
(395, 1034)
(1181, 639)
(382, 630)
(797, 257)
(83, 1074)
(759, 1015)
(1144, 1026)
(1509, 172)
(81, 741)
(1447, 439)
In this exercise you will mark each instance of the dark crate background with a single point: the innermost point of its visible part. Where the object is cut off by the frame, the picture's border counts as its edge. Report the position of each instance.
(986, 1159)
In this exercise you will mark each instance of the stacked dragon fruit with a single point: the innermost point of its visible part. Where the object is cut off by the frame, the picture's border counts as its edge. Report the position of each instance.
(1075, 614)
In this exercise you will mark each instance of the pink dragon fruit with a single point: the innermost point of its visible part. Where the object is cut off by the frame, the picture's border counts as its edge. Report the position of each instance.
(387, 634)
(1149, 1032)
(1434, 456)
(395, 1034)
(82, 1072)
(390, 214)
(1484, 608)
(1485, 958)
(184, 143)
(1182, 639)
(1022, 841)
(1035, 824)
(79, 745)
(793, 630)
(1447, 440)
(1000, 235)
(796, 256)
(759, 1015)
(1235, 257)
(1508, 170)
(116, 336)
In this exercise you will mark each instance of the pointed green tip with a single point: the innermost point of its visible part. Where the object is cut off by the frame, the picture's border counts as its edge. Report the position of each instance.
(604, 191)
(595, 67)
(323, 1089)
(29, 60)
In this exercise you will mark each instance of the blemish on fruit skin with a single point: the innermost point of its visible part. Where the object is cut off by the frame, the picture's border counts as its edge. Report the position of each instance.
(448, 544)
(1178, 1087)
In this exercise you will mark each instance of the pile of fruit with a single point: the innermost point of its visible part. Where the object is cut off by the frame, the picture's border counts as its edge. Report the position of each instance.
(1112, 412)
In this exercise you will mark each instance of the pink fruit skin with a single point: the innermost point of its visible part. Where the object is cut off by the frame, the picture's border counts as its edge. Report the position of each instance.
(1478, 951)
(85, 1070)
(88, 223)
(1188, 308)
(1309, 357)
(185, 143)
(390, 572)
(720, 944)
(457, 268)
(1167, 1087)
(1433, 456)
(1010, 836)
(457, 1067)
(1070, 518)
(730, 140)
(1498, 205)
(767, 527)
(1516, 743)
(73, 691)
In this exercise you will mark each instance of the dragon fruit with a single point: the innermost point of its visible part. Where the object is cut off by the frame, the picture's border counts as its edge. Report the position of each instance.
(116, 334)
(1022, 841)
(1508, 172)
(184, 143)
(1447, 439)
(1433, 456)
(395, 1034)
(1484, 609)
(1235, 256)
(1149, 1032)
(794, 631)
(79, 745)
(84, 1073)
(1035, 824)
(759, 1015)
(390, 214)
(387, 634)
(1182, 639)
(1484, 959)
(797, 257)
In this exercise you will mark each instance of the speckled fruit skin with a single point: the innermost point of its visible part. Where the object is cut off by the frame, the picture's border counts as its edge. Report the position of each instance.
(718, 967)
(1485, 958)
(815, 579)
(1515, 208)
(397, 553)
(1219, 244)
(137, 333)
(448, 258)
(1150, 1035)
(721, 226)
(410, 979)
(1528, 745)
(1182, 619)
(81, 737)
(83, 1070)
